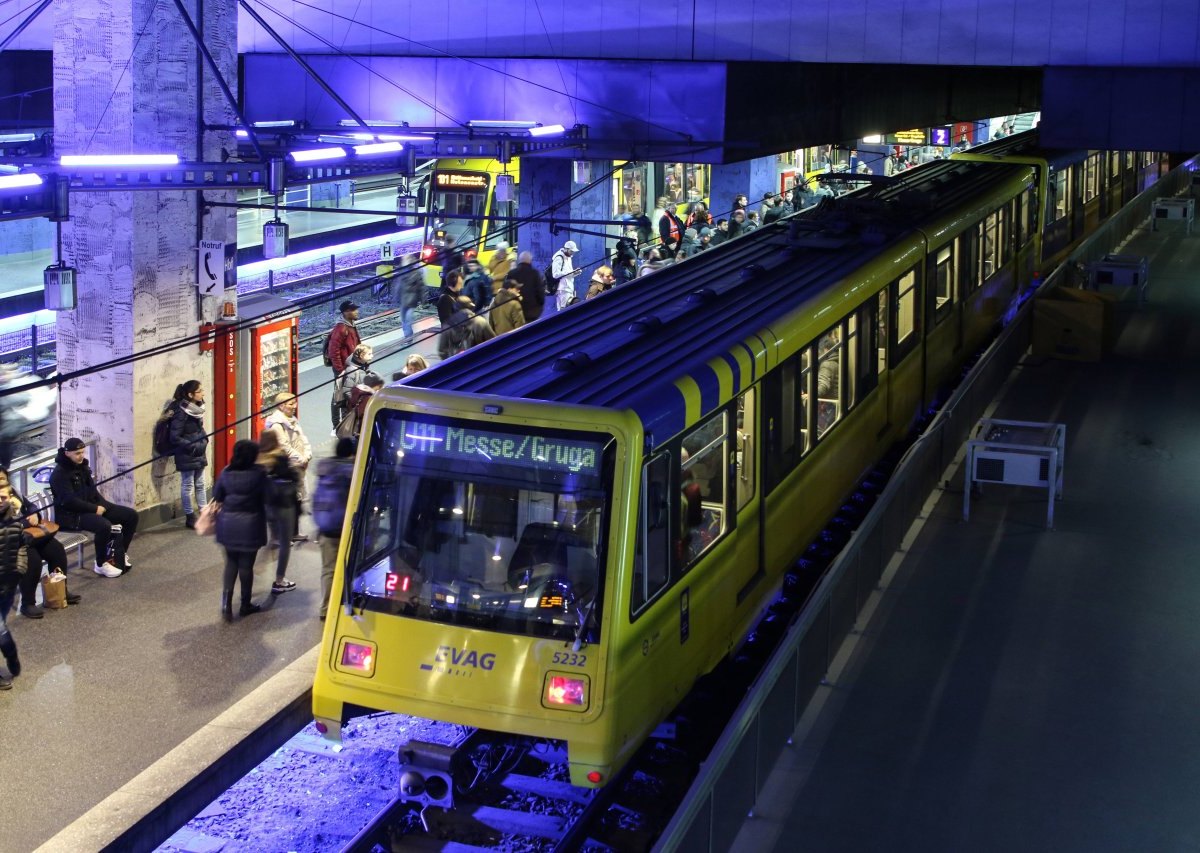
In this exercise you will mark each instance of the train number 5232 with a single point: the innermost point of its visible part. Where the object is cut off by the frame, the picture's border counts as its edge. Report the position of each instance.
(569, 659)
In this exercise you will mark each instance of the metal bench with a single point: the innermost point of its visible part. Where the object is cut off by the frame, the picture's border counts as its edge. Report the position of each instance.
(30, 476)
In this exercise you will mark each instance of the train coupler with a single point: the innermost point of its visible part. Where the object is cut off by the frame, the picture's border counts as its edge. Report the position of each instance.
(426, 774)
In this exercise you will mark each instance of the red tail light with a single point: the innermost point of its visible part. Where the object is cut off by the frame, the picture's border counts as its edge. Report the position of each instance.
(359, 657)
(563, 690)
(427, 253)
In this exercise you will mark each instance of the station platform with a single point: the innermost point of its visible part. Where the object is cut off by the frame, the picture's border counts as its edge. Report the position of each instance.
(111, 686)
(1020, 688)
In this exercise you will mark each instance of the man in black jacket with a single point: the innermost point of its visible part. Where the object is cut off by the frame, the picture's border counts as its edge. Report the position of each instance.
(533, 289)
(78, 505)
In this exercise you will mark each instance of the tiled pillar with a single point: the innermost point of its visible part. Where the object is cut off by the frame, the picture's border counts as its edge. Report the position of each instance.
(127, 80)
(595, 203)
(544, 188)
(751, 177)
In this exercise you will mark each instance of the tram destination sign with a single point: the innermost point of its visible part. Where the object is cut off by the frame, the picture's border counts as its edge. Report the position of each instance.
(526, 450)
(462, 181)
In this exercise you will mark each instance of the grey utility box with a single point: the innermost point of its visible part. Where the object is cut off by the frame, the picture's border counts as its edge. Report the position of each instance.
(1120, 271)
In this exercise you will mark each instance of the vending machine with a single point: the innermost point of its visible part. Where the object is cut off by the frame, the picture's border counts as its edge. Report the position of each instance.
(255, 358)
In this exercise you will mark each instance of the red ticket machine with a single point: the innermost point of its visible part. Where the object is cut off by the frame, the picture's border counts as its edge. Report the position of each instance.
(255, 359)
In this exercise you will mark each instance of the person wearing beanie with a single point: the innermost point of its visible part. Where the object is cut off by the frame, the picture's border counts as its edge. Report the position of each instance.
(690, 244)
(78, 505)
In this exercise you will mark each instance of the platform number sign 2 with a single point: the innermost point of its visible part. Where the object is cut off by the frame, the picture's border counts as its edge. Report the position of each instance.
(210, 267)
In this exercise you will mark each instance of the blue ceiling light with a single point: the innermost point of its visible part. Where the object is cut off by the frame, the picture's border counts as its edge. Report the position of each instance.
(378, 148)
(547, 130)
(281, 123)
(119, 160)
(501, 124)
(312, 155)
(20, 180)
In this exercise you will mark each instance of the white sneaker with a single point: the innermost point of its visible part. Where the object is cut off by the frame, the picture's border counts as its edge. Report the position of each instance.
(108, 570)
(128, 562)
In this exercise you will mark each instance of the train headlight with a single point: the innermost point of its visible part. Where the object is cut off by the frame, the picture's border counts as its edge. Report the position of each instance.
(357, 658)
(566, 692)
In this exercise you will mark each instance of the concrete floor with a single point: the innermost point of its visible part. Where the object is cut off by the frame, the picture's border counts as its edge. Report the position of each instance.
(1025, 689)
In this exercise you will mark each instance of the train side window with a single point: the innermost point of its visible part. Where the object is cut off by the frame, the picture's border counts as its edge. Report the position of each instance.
(830, 388)
(1023, 229)
(882, 314)
(745, 448)
(868, 345)
(1006, 231)
(801, 399)
(989, 247)
(703, 471)
(1114, 165)
(850, 393)
(1091, 177)
(943, 283)
(652, 560)
(907, 321)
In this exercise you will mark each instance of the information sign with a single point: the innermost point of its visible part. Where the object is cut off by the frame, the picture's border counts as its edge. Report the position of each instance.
(210, 267)
(462, 442)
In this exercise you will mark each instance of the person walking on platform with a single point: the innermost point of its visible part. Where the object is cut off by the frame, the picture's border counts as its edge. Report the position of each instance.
(356, 371)
(412, 294)
(78, 505)
(499, 267)
(295, 444)
(282, 505)
(243, 492)
(562, 268)
(329, 510)
(189, 441)
(670, 231)
(533, 289)
(12, 551)
(343, 340)
(42, 547)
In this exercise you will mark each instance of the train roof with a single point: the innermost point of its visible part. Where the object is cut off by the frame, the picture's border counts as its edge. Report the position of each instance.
(627, 348)
(1025, 145)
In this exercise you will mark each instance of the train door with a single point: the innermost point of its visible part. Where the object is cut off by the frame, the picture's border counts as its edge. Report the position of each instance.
(745, 458)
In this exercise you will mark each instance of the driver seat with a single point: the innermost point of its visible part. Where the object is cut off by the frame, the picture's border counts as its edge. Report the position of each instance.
(541, 544)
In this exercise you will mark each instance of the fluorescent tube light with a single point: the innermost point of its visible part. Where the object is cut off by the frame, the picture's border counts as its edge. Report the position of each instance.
(502, 124)
(310, 155)
(349, 122)
(17, 137)
(547, 130)
(24, 179)
(241, 133)
(119, 160)
(281, 123)
(378, 148)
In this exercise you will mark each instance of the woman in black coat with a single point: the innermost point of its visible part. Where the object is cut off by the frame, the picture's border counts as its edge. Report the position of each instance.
(243, 493)
(190, 443)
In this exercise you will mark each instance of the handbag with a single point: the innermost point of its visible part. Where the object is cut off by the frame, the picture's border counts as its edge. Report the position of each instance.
(44, 530)
(348, 426)
(54, 591)
(206, 522)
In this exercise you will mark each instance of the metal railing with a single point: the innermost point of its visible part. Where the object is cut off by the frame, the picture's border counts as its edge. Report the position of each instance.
(730, 780)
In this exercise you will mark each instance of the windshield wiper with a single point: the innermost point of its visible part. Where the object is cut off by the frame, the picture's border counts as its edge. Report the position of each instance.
(583, 617)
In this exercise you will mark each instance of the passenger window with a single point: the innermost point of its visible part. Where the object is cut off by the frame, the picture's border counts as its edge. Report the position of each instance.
(703, 469)
(850, 395)
(745, 448)
(801, 399)
(829, 381)
(906, 313)
(943, 282)
(988, 265)
(868, 346)
(652, 560)
(881, 313)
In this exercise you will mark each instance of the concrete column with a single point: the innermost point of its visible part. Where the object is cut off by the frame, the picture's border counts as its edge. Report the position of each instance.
(595, 203)
(544, 188)
(752, 177)
(127, 79)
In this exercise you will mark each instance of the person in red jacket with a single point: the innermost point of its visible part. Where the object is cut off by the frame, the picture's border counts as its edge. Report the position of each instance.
(343, 340)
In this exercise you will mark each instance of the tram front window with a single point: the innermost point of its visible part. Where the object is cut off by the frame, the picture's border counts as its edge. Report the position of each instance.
(500, 527)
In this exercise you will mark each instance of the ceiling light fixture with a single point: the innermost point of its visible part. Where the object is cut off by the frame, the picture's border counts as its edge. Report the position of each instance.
(501, 124)
(23, 179)
(378, 148)
(310, 155)
(119, 160)
(547, 130)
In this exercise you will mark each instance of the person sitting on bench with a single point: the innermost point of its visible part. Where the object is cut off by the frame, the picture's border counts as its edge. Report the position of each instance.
(78, 505)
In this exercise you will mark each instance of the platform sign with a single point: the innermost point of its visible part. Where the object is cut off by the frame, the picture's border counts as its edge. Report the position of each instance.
(385, 252)
(210, 267)
(939, 136)
(907, 137)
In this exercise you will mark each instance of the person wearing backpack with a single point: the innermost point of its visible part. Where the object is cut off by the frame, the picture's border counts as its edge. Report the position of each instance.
(357, 368)
(330, 500)
(561, 275)
(340, 345)
(281, 504)
(477, 286)
(189, 442)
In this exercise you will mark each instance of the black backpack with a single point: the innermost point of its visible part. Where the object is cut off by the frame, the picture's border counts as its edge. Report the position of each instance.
(162, 432)
(325, 349)
(551, 281)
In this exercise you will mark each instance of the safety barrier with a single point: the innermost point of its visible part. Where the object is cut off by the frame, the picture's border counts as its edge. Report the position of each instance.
(730, 780)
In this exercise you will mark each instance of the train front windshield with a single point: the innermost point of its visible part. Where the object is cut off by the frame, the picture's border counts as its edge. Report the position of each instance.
(501, 527)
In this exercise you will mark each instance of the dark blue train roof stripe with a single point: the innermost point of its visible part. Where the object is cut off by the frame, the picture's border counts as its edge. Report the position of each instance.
(713, 306)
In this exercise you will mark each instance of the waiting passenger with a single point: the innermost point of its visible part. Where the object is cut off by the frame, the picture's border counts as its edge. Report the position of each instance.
(625, 261)
(690, 244)
(189, 441)
(12, 550)
(282, 503)
(412, 294)
(241, 524)
(294, 443)
(356, 371)
(329, 510)
(562, 267)
(752, 222)
(602, 280)
(506, 313)
(42, 547)
(499, 266)
(413, 364)
(533, 289)
(78, 505)
(653, 263)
